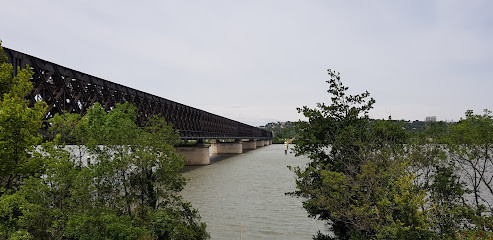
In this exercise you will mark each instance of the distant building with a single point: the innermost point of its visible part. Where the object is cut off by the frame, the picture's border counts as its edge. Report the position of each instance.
(431, 119)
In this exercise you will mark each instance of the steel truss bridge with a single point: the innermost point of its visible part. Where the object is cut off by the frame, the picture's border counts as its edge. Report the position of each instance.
(68, 90)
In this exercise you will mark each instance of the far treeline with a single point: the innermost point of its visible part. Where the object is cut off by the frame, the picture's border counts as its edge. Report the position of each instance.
(281, 131)
(378, 179)
(286, 130)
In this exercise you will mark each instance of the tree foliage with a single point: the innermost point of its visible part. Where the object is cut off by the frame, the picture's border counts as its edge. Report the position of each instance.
(101, 177)
(372, 179)
(19, 125)
(470, 145)
(281, 131)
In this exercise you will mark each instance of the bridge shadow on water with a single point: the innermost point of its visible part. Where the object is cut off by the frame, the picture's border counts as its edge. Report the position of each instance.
(214, 159)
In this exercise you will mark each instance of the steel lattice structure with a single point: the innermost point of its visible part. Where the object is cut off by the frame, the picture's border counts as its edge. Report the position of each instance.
(68, 90)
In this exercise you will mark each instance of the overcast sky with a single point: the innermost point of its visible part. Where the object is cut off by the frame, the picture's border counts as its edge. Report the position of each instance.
(256, 61)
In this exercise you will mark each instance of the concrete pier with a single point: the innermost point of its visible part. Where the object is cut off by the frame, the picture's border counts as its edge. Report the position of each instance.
(198, 154)
(250, 145)
(195, 155)
(227, 147)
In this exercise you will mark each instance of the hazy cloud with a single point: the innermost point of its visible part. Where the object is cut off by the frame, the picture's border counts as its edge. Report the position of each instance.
(256, 61)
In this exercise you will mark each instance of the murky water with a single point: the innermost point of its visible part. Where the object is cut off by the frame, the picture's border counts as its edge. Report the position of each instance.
(244, 195)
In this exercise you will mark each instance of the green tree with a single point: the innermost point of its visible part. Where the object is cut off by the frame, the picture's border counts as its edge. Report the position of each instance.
(365, 177)
(470, 145)
(125, 184)
(115, 180)
(19, 125)
(281, 131)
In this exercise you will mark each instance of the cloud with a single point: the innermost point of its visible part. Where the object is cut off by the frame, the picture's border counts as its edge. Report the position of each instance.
(416, 58)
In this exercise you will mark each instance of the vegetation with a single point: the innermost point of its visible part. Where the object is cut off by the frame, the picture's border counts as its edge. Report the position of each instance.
(372, 179)
(115, 181)
(470, 146)
(281, 131)
(286, 130)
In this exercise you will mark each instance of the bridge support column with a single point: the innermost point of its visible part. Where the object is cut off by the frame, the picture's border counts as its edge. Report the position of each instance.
(227, 147)
(195, 155)
(250, 145)
(260, 143)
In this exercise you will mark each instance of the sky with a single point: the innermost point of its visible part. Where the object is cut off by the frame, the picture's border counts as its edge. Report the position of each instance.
(257, 61)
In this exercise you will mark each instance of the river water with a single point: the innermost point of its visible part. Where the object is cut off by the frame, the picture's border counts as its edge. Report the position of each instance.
(242, 196)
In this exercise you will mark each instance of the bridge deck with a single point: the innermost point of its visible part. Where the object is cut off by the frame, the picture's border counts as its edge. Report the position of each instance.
(68, 90)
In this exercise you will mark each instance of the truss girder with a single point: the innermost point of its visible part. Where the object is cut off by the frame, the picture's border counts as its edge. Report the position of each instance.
(68, 90)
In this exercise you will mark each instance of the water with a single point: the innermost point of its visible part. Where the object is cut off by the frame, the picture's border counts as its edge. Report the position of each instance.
(245, 193)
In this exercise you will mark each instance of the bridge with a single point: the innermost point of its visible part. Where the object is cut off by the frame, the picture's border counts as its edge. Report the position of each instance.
(68, 90)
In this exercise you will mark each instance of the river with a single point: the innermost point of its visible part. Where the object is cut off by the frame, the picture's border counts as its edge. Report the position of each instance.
(242, 196)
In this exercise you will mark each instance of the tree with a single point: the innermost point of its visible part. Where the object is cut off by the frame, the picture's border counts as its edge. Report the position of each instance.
(19, 125)
(116, 180)
(281, 131)
(370, 179)
(470, 145)
(124, 186)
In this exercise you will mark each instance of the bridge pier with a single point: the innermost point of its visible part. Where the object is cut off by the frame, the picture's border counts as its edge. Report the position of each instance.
(250, 145)
(195, 155)
(260, 143)
(227, 147)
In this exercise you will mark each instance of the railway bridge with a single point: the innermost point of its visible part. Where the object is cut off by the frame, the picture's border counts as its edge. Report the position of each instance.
(68, 90)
